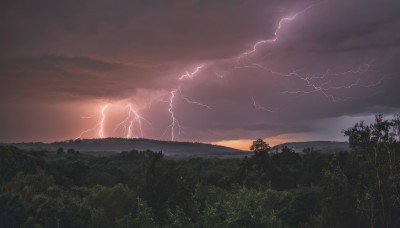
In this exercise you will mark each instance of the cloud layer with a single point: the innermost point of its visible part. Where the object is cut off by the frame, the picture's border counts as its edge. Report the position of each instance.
(67, 59)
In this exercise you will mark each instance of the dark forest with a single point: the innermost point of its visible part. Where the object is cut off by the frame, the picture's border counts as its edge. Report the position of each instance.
(269, 188)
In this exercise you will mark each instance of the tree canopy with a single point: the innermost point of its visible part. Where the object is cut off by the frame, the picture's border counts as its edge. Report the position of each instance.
(269, 188)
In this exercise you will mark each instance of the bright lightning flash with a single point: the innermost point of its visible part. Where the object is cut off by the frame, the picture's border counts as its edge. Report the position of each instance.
(128, 122)
(103, 118)
(174, 120)
(99, 125)
(317, 84)
(191, 75)
(275, 38)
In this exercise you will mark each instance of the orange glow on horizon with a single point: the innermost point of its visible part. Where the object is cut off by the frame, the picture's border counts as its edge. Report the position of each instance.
(237, 144)
(244, 144)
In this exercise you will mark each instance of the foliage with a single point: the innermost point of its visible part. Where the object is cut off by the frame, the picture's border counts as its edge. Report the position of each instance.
(268, 189)
(259, 146)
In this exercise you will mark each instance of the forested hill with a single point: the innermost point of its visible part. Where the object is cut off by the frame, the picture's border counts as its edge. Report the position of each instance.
(175, 149)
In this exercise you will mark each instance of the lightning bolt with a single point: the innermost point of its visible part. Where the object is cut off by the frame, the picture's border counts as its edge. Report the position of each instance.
(191, 75)
(174, 120)
(103, 118)
(258, 107)
(99, 125)
(322, 83)
(86, 131)
(314, 81)
(275, 37)
(308, 80)
(128, 123)
(193, 102)
(130, 130)
(324, 88)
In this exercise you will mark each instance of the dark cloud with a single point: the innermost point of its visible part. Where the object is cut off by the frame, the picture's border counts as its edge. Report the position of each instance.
(350, 26)
(51, 62)
(129, 30)
(57, 77)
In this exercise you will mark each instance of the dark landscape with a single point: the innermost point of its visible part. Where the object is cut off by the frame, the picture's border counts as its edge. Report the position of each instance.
(116, 145)
(170, 149)
(56, 185)
(200, 114)
(323, 146)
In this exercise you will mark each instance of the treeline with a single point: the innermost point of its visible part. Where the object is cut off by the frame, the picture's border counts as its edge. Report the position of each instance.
(267, 189)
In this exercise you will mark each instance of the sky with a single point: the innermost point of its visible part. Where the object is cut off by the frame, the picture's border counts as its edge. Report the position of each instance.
(220, 71)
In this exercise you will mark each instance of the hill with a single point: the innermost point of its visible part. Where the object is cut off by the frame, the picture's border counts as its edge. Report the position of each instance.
(323, 146)
(115, 145)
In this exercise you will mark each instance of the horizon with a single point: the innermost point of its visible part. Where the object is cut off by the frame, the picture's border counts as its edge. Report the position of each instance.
(246, 149)
(224, 73)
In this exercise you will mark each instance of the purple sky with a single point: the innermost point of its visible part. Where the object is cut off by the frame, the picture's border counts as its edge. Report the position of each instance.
(326, 66)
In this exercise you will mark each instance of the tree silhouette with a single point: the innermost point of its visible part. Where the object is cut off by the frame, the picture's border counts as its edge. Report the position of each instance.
(260, 146)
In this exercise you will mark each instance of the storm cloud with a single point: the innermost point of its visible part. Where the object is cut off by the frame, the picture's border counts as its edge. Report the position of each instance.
(335, 61)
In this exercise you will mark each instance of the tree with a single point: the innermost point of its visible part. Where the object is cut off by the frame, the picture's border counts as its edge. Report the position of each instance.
(382, 132)
(260, 146)
(379, 144)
